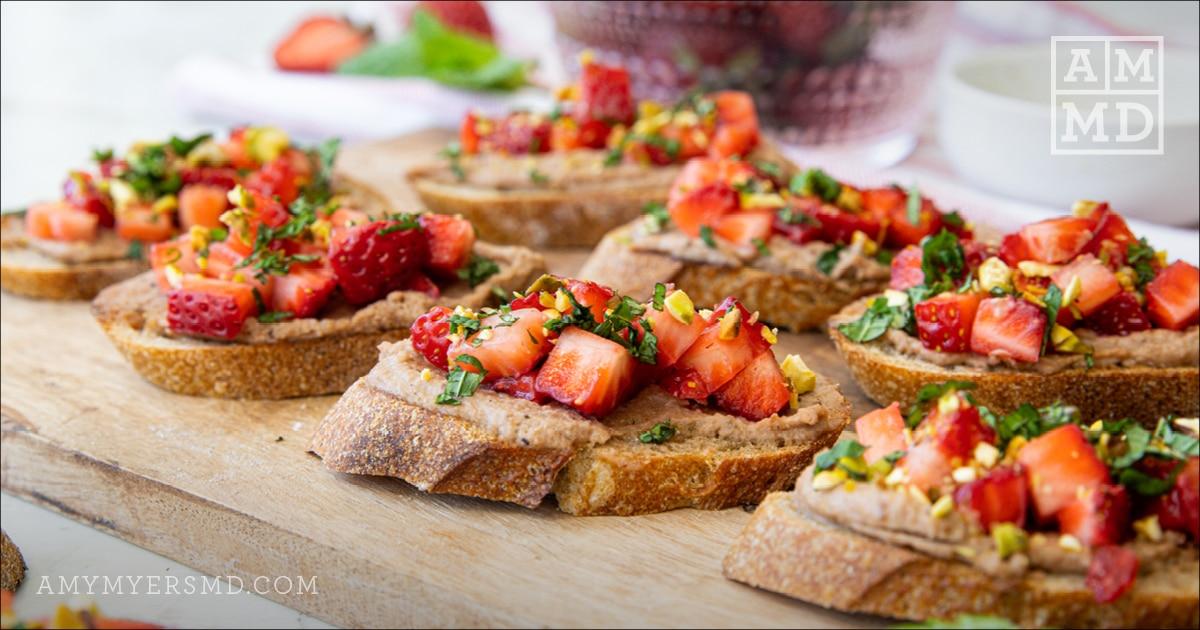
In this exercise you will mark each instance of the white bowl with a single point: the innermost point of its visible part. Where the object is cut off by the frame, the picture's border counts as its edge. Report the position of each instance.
(994, 124)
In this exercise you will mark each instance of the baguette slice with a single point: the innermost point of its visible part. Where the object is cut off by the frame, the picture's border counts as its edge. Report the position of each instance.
(317, 356)
(786, 549)
(502, 448)
(578, 203)
(1142, 393)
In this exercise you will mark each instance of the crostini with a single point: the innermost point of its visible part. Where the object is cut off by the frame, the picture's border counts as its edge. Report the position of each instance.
(568, 177)
(1040, 516)
(292, 299)
(1074, 309)
(613, 405)
(794, 247)
(98, 233)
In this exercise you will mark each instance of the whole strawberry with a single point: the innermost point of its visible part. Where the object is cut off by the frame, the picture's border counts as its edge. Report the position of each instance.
(369, 261)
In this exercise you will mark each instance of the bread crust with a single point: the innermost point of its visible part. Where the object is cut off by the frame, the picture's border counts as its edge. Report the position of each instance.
(785, 550)
(1143, 393)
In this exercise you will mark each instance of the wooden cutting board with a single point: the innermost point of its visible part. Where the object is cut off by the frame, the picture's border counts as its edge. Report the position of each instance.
(228, 488)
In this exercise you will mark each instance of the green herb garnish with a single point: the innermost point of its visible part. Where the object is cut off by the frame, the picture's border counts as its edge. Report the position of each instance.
(770, 168)
(657, 434)
(181, 147)
(1053, 302)
(1141, 257)
(875, 321)
(845, 448)
(913, 206)
(136, 251)
(453, 152)
(538, 177)
(660, 294)
(761, 246)
(829, 259)
(942, 261)
(478, 269)
(815, 183)
(656, 215)
(706, 235)
(270, 317)
(459, 382)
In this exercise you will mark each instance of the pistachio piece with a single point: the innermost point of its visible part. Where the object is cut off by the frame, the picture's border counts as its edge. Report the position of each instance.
(680, 306)
(1009, 539)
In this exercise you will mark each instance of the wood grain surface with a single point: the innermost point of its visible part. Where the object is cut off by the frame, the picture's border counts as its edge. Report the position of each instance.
(228, 488)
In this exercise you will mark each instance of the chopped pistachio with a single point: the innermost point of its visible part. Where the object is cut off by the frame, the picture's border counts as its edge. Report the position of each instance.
(963, 474)
(165, 204)
(1065, 340)
(705, 313)
(1084, 207)
(854, 466)
(879, 468)
(849, 199)
(1009, 539)
(896, 477)
(995, 274)
(918, 494)
(1148, 528)
(1073, 291)
(863, 242)
(942, 507)
(1014, 446)
(730, 324)
(770, 335)
(801, 379)
(1035, 269)
(829, 479)
(895, 298)
(986, 454)
(680, 306)
(965, 551)
(426, 375)
(1191, 425)
(761, 200)
(949, 403)
(1070, 543)
(647, 109)
(266, 143)
(561, 301)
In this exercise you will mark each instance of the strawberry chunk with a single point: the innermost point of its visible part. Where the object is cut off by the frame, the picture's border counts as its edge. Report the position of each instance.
(758, 391)
(839, 226)
(204, 307)
(674, 336)
(506, 349)
(1097, 283)
(1111, 573)
(1179, 508)
(519, 133)
(956, 431)
(523, 386)
(468, 134)
(744, 228)
(711, 361)
(882, 432)
(796, 223)
(429, 336)
(223, 177)
(140, 222)
(80, 191)
(703, 206)
(906, 269)
(1173, 296)
(737, 124)
(1112, 236)
(421, 283)
(451, 240)
(604, 95)
(61, 222)
(999, 497)
(944, 321)
(927, 466)
(1057, 240)
(1013, 250)
(369, 261)
(590, 295)
(1008, 327)
(1120, 315)
(587, 372)
(901, 233)
(1097, 517)
(275, 180)
(202, 205)
(304, 291)
(320, 44)
(1059, 465)
(177, 254)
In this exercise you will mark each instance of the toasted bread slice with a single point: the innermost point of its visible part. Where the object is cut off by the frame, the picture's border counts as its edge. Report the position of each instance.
(790, 300)
(502, 448)
(304, 357)
(791, 551)
(575, 201)
(1143, 393)
(12, 565)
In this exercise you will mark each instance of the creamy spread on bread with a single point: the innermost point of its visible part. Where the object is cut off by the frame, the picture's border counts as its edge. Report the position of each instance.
(583, 168)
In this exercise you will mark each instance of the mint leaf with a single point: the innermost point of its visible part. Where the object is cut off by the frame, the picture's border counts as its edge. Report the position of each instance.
(461, 383)
(845, 448)
(657, 434)
(478, 269)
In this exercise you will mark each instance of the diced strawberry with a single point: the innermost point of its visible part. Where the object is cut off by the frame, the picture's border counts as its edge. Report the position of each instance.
(926, 465)
(523, 386)
(1173, 296)
(591, 295)
(974, 252)
(451, 239)
(743, 228)
(957, 432)
(1060, 464)
(1098, 284)
(906, 269)
(901, 233)
(520, 133)
(674, 336)
(1120, 315)
(1111, 573)
(711, 361)
(1112, 236)
(468, 134)
(222, 260)
(428, 334)
(275, 179)
(204, 307)
(839, 226)
(882, 201)
(140, 222)
(372, 260)
(944, 321)
(80, 190)
(202, 204)
(1097, 517)
(506, 349)
(882, 432)
(466, 16)
(587, 372)
(604, 95)
(320, 44)
(303, 292)
(37, 218)
(703, 206)
(1013, 250)
(1008, 327)
(422, 283)
(999, 497)
(796, 223)
(737, 124)
(532, 300)
(1057, 240)
(1179, 509)
(67, 223)
(343, 218)
(758, 391)
(177, 253)
(223, 177)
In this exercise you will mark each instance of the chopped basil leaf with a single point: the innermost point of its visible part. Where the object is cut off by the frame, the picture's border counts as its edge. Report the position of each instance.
(136, 251)
(538, 177)
(706, 235)
(913, 206)
(815, 183)
(770, 168)
(1141, 257)
(1136, 441)
(401, 221)
(1144, 484)
(845, 448)
(478, 269)
(452, 153)
(1053, 302)
(877, 319)
(929, 393)
(270, 317)
(660, 294)
(613, 157)
(942, 261)
(954, 220)
(829, 259)
(459, 382)
(657, 434)
(893, 457)
(795, 217)
(183, 147)
(102, 155)
(656, 215)
(463, 325)
(761, 246)
(885, 256)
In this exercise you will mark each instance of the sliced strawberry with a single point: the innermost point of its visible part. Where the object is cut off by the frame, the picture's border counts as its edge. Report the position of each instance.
(1008, 327)
(451, 239)
(1060, 464)
(901, 233)
(223, 177)
(320, 44)
(882, 432)
(956, 431)
(519, 133)
(275, 180)
(37, 218)
(926, 465)
(468, 134)
(737, 124)
(506, 349)
(429, 336)
(1179, 509)
(1120, 315)
(202, 205)
(1013, 250)
(944, 321)
(587, 372)
(1057, 240)
(1112, 236)
(80, 190)
(140, 222)
(796, 223)
(839, 226)
(1097, 282)
(591, 295)
(466, 16)
(523, 386)
(882, 201)
(177, 254)
(67, 223)
(1173, 296)
(674, 336)
(204, 307)
(1097, 517)
(703, 206)
(422, 283)
(604, 95)
(711, 361)
(758, 391)
(746, 227)
(906, 269)
(303, 292)
(1112, 572)
(372, 260)
(999, 497)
